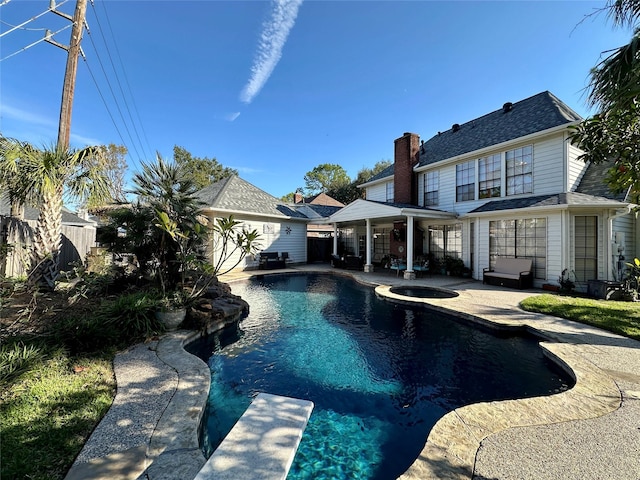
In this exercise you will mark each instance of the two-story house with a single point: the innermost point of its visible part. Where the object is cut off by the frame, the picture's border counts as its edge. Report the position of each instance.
(508, 184)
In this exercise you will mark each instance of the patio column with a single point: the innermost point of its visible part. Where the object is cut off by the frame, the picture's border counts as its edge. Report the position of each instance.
(368, 266)
(335, 238)
(409, 274)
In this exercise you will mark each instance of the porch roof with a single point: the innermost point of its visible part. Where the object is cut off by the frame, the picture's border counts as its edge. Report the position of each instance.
(360, 210)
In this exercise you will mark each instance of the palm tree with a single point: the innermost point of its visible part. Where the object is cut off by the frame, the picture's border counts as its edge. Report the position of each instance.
(41, 178)
(615, 81)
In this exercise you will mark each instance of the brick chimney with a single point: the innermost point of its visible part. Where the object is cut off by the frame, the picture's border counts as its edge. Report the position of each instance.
(298, 198)
(405, 157)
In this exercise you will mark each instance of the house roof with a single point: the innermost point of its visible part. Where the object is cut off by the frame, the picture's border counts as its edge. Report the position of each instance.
(570, 199)
(387, 172)
(593, 183)
(531, 115)
(30, 213)
(360, 209)
(323, 210)
(237, 195)
(323, 199)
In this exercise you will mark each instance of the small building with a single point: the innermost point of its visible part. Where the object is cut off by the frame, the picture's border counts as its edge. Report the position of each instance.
(282, 228)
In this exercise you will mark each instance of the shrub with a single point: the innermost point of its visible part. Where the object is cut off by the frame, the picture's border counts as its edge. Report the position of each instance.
(118, 322)
(17, 358)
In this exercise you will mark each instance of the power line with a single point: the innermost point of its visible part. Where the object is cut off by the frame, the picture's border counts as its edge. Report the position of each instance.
(47, 37)
(104, 72)
(18, 27)
(124, 97)
(124, 71)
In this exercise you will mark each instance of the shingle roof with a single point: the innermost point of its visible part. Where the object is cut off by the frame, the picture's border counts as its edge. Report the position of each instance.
(235, 194)
(569, 199)
(323, 210)
(68, 217)
(593, 183)
(534, 114)
(387, 172)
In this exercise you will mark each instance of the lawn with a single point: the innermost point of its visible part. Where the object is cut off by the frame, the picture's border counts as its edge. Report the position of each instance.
(622, 318)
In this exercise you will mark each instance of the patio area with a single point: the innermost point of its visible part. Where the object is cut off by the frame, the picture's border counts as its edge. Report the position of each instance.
(588, 432)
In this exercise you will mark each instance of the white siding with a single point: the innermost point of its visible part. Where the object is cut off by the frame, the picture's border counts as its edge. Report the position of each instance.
(548, 166)
(576, 167)
(626, 226)
(275, 236)
(377, 193)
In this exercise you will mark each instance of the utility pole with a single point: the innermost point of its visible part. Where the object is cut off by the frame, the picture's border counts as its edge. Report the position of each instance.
(73, 50)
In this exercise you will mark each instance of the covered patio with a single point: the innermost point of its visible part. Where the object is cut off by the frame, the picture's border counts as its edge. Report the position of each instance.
(399, 221)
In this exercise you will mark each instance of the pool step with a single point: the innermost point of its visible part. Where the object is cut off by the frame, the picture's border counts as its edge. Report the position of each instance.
(262, 443)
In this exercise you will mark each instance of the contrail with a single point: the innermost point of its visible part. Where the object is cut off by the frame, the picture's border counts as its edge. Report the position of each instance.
(274, 36)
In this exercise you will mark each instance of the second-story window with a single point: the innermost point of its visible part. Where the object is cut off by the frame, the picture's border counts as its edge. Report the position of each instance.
(519, 172)
(466, 181)
(390, 194)
(489, 177)
(431, 186)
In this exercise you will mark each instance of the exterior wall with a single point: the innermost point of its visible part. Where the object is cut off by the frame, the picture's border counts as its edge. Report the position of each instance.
(377, 193)
(576, 167)
(624, 228)
(275, 236)
(548, 161)
(555, 258)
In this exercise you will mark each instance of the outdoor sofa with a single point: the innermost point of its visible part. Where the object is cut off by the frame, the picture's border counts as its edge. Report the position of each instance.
(510, 272)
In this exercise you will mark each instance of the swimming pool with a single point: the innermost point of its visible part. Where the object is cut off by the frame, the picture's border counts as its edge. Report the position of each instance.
(380, 374)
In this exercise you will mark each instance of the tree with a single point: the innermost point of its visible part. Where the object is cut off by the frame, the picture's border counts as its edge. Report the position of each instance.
(201, 171)
(350, 192)
(325, 177)
(113, 163)
(613, 135)
(41, 178)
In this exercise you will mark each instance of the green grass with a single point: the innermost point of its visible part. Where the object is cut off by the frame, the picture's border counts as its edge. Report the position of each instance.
(48, 408)
(622, 318)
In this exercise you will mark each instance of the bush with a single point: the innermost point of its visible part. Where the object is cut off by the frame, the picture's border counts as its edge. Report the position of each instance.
(17, 358)
(118, 322)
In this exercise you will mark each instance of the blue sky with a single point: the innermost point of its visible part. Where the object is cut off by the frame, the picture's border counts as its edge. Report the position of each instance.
(274, 89)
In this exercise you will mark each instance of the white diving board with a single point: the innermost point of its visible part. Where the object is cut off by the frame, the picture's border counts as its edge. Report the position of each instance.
(263, 442)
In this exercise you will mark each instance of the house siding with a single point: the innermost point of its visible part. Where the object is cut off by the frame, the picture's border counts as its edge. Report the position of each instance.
(576, 167)
(377, 193)
(274, 237)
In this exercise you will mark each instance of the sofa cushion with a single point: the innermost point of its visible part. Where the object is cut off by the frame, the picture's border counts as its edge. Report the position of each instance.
(512, 266)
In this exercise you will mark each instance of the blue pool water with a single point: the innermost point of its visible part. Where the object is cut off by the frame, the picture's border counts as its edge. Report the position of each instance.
(380, 374)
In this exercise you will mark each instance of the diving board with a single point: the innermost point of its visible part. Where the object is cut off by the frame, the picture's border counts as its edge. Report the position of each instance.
(262, 443)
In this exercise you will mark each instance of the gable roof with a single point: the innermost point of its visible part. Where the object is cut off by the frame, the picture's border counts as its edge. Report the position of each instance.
(234, 194)
(323, 199)
(531, 115)
(387, 172)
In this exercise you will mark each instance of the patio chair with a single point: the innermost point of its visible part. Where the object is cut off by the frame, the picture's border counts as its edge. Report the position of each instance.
(421, 266)
(397, 265)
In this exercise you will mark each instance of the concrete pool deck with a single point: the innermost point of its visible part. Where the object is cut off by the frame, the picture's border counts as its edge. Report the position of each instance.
(589, 432)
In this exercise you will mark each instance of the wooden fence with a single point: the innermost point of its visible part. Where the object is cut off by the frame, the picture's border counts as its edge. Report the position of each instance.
(76, 243)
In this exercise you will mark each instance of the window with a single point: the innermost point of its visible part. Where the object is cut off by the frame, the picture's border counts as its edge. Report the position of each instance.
(526, 238)
(586, 248)
(489, 176)
(445, 240)
(390, 193)
(519, 177)
(431, 181)
(465, 181)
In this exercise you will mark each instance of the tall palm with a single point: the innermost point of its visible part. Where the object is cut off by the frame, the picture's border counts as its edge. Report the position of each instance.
(615, 81)
(42, 178)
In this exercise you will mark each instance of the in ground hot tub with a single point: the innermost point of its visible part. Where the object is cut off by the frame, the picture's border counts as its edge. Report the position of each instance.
(423, 292)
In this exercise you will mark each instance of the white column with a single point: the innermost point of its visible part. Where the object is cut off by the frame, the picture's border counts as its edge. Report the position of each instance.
(368, 267)
(335, 238)
(409, 274)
